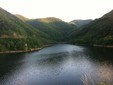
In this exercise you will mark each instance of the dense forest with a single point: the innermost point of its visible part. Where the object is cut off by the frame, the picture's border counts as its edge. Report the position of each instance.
(20, 33)
(57, 29)
(97, 32)
(17, 35)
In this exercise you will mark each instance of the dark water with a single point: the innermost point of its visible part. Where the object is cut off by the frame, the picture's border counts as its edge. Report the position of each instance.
(61, 64)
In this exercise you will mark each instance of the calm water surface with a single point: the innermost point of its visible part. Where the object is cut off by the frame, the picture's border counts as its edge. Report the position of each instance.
(61, 64)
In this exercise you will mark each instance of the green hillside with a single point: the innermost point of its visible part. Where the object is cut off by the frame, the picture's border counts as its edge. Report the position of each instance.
(99, 31)
(17, 35)
(20, 33)
(54, 27)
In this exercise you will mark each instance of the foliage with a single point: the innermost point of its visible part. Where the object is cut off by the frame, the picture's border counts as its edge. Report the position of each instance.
(15, 34)
(20, 33)
(54, 27)
(99, 31)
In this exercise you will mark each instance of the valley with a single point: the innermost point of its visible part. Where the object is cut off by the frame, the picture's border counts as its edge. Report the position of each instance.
(50, 51)
(18, 33)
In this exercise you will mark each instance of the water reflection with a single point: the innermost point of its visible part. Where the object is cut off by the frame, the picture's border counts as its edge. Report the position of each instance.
(100, 54)
(8, 62)
(58, 65)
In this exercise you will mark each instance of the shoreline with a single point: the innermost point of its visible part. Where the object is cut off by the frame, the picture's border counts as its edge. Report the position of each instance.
(24, 51)
(95, 45)
(37, 49)
(105, 46)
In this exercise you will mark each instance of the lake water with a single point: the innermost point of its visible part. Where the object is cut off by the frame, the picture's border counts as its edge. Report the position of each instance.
(61, 64)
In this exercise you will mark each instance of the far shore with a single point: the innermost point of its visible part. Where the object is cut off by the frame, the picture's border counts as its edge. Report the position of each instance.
(96, 45)
(107, 46)
(37, 49)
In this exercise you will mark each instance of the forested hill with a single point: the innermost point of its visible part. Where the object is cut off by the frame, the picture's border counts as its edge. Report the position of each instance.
(54, 27)
(99, 31)
(20, 33)
(17, 35)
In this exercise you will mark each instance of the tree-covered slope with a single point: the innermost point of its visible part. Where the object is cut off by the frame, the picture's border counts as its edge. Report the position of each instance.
(17, 35)
(99, 31)
(54, 27)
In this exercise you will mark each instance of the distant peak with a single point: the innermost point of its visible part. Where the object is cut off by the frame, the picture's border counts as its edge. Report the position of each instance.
(1, 8)
(21, 17)
(80, 22)
(50, 19)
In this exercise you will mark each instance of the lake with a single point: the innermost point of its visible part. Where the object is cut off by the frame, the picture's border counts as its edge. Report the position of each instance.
(60, 64)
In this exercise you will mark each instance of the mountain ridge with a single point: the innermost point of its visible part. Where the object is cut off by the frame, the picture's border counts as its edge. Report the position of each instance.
(79, 22)
(21, 17)
(21, 33)
(52, 26)
(99, 31)
(14, 33)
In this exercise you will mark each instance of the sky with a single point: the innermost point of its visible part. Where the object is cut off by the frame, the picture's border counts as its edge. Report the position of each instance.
(66, 10)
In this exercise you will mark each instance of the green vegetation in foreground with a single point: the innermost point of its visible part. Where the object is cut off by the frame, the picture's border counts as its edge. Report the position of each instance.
(99, 32)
